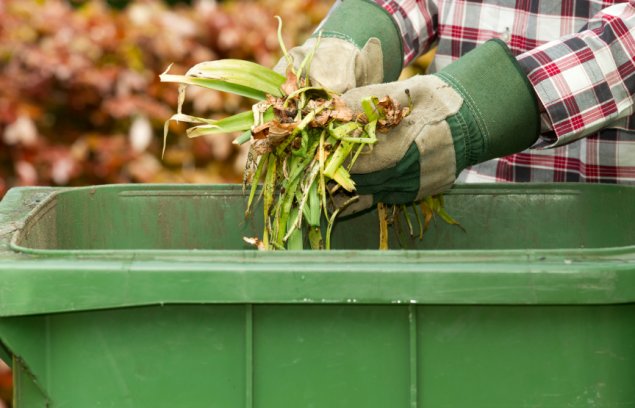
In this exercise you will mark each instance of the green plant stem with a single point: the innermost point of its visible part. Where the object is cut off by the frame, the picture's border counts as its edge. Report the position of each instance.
(254, 182)
(337, 158)
(295, 239)
(269, 190)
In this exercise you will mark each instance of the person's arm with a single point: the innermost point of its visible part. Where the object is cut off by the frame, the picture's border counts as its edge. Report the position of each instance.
(585, 81)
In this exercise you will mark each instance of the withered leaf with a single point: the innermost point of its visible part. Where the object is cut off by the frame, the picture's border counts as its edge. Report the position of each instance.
(261, 146)
(261, 131)
(392, 113)
(281, 129)
(285, 111)
(278, 132)
(291, 84)
(321, 119)
(341, 111)
(255, 241)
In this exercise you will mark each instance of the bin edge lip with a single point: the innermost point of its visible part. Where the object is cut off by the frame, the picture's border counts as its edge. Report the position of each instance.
(623, 253)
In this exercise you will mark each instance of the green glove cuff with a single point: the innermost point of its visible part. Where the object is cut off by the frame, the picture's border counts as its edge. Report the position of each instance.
(500, 114)
(357, 21)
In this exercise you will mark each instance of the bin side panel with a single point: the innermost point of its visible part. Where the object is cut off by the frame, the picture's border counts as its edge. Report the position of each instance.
(24, 344)
(538, 356)
(326, 356)
(27, 392)
(148, 357)
(334, 356)
(5, 355)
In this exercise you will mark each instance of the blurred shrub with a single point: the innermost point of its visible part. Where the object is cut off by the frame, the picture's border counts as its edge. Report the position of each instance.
(80, 101)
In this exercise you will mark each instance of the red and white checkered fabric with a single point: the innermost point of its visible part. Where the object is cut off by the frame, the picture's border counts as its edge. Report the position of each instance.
(580, 58)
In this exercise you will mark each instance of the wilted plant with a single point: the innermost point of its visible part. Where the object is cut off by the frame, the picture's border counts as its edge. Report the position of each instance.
(304, 141)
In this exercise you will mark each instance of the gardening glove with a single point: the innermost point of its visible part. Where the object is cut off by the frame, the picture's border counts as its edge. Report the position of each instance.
(338, 64)
(351, 52)
(480, 107)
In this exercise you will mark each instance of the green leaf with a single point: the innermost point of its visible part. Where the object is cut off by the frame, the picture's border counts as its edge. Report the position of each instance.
(245, 73)
(313, 204)
(243, 78)
(315, 238)
(254, 182)
(369, 106)
(243, 138)
(295, 239)
(304, 191)
(448, 218)
(337, 158)
(283, 48)
(305, 66)
(286, 202)
(236, 123)
(343, 178)
(216, 84)
(240, 122)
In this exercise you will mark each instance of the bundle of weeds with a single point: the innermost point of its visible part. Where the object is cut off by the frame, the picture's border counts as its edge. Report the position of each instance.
(303, 142)
(306, 151)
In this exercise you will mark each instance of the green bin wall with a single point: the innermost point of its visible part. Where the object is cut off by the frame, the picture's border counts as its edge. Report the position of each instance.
(146, 296)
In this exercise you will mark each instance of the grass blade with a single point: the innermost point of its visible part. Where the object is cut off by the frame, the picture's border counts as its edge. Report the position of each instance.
(295, 239)
(383, 225)
(285, 53)
(287, 214)
(369, 106)
(315, 238)
(337, 158)
(314, 205)
(243, 138)
(217, 85)
(239, 72)
(234, 76)
(254, 182)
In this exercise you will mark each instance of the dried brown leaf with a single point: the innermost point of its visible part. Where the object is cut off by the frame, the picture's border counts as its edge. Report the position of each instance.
(261, 131)
(340, 111)
(255, 241)
(261, 146)
(291, 84)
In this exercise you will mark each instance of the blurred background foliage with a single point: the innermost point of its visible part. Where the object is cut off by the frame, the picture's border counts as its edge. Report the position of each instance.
(80, 101)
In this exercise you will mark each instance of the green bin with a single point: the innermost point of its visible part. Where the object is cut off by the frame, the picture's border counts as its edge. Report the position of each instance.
(147, 296)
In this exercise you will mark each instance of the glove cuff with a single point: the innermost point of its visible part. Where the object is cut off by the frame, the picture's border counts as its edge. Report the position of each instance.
(500, 113)
(357, 21)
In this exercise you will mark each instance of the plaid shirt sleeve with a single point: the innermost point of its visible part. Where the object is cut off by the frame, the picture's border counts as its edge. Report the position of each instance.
(417, 22)
(585, 81)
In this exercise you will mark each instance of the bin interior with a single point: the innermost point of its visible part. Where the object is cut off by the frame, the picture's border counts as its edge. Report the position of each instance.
(212, 218)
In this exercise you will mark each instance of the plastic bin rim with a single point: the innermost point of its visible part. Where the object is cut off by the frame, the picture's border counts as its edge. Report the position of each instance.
(102, 279)
(486, 255)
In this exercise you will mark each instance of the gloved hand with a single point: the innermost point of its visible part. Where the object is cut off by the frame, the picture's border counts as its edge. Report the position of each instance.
(478, 108)
(359, 45)
(338, 64)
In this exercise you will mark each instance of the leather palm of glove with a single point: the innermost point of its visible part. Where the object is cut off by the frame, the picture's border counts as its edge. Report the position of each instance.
(359, 45)
(355, 67)
(478, 108)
